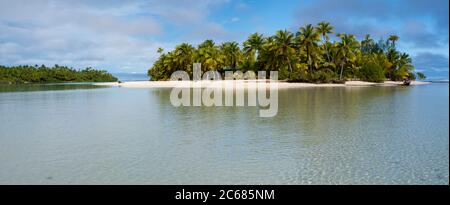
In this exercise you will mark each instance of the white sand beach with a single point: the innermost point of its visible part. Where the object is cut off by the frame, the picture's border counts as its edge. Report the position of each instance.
(245, 83)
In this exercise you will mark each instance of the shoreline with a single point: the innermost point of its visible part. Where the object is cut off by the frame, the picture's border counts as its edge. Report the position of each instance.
(246, 83)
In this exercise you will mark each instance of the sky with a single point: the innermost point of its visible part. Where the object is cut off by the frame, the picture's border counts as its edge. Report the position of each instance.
(123, 35)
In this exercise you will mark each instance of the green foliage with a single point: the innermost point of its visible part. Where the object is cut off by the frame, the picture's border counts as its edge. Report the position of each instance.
(306, 56)
(421, 76)
(371, 72)
(323, 77)
(43, 74)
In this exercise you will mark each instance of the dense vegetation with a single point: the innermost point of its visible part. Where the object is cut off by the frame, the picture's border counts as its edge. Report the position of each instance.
(43, 74)
(309, 55)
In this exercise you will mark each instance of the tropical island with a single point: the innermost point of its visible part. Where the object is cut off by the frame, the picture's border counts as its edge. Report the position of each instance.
(55, 74)
(309, 55)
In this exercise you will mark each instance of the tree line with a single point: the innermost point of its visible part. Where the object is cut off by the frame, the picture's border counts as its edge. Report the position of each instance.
(43, 74)
(309, 55)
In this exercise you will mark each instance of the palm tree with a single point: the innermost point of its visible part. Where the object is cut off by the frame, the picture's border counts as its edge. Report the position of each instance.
(404, 67)
(184, 56)
(208, 55)
(367, 44)
(393, 39)
(308, 37)
(393, 57)
(253, 45)
(231, 53)
(268, 57)
(284, 46)
(325, 28)
(346, 50)
(208, 43)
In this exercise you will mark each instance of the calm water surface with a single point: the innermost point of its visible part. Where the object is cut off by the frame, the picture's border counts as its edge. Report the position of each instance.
(358, 135)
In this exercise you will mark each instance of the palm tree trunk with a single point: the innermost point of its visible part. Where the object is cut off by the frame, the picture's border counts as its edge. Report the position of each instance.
(326, 51)
(290, 67)
(342, 69)
(309, 59)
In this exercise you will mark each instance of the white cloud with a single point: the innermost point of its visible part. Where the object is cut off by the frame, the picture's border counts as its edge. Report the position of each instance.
(121, 36)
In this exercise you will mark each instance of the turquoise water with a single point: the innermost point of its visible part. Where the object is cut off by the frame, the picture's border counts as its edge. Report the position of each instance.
(81, 134)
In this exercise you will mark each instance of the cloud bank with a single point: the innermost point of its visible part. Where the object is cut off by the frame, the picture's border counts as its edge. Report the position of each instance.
(120, 36)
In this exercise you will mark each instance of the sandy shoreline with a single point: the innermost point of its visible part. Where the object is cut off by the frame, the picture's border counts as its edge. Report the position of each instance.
(244, 83)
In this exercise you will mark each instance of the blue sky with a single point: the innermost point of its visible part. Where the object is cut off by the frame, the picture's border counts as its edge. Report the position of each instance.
(123, 35)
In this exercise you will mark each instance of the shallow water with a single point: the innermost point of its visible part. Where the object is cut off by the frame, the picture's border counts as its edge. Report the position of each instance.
(348, 135)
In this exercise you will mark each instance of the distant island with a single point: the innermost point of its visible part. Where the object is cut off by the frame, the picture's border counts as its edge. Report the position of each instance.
(55, 74)
(309, 55)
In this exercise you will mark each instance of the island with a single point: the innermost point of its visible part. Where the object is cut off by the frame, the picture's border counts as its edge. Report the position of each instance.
(311, 55)
(55, 74)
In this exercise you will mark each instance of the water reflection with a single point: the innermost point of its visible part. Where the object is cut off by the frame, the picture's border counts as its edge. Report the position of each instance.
(46, 87)
(315, 113)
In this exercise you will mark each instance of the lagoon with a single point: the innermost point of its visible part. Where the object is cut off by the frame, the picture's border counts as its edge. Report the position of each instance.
(84, 134)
